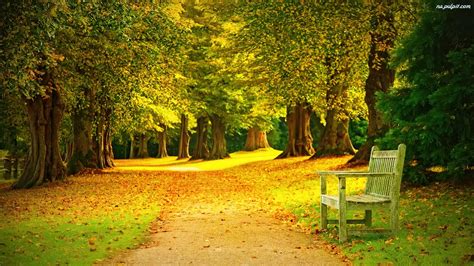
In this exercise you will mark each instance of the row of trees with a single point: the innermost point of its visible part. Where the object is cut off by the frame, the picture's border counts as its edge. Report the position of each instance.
(83, 73)
(85, 64)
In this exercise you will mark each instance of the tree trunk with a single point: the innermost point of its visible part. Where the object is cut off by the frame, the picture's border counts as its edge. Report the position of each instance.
(82, 151)
(103, 142)
(380, 79)
(201, 150)
(219, 147)
(300, 141)
(143, 147)
(256, 139)
(108, 149)
(44, 163)
(183, 150)
(335, 137)
(132, 147)
(162, 151)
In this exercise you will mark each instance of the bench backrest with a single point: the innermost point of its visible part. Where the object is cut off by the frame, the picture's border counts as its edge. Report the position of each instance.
(387, 161)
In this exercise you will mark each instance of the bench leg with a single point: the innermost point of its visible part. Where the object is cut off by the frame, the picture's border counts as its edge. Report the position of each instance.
(324, 216)
(394, 218)
(342, 224)
(368, 218)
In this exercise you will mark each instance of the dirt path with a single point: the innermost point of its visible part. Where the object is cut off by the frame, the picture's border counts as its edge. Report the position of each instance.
(217, 219)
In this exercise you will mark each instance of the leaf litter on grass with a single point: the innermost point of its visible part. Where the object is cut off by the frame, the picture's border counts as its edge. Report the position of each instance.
(97, 213)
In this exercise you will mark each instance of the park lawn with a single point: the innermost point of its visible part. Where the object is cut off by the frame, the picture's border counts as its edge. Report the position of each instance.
(436, 223)
(80, 221)
(97, 214)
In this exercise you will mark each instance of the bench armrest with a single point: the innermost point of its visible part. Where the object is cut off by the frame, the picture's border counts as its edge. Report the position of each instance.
(354, 174)
(341, 175)
(339, 172)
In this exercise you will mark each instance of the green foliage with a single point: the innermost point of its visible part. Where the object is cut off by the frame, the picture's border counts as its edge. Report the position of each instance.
(431, 110)
(303, 50)
(14, 134)
(358, 132)
(28, 45)
(278, 135)
(236, 140)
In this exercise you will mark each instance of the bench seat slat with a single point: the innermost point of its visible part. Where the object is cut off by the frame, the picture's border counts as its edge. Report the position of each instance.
(358, 198)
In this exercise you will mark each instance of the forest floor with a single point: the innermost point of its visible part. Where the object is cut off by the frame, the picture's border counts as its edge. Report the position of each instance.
(248, 209)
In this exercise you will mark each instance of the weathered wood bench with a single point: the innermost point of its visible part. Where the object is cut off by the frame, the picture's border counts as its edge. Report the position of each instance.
(382, 191)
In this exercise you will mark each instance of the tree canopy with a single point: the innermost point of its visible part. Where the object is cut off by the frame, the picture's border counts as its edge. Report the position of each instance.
(79, 77)
(430, 108)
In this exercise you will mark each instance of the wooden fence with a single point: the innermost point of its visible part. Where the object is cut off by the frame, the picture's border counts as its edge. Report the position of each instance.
(12, 167)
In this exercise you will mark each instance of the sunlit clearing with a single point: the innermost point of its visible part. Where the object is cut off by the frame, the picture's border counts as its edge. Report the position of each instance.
(172, 164)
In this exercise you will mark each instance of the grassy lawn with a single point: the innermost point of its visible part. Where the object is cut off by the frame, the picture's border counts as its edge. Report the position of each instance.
(80, 221)
(436, 224)
(97, 214)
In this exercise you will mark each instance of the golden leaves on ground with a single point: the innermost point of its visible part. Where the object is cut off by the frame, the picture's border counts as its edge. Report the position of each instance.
(434, 219)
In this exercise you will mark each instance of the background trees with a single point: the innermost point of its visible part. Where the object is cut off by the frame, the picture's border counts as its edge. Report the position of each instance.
(389, 22)
(77, 75)
(310, 54)
(82, 55)
(430, 110)
(31, 70)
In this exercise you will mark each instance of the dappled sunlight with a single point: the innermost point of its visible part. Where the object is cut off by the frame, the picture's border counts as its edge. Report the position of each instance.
(172, 164)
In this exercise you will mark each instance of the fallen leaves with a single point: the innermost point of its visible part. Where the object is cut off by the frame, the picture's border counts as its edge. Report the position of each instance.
(286, 188)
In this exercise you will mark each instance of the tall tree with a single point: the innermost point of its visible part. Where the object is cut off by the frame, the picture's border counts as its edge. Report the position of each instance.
(431, 111)
(384, 32)
(214, 90)
(280, 36)
(82, 52)
(201, 149)
(345, 52)
(184, 138)
(31, 68)
(304, 49)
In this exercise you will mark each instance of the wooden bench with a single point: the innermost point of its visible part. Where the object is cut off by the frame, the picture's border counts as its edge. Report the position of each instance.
(382, 191)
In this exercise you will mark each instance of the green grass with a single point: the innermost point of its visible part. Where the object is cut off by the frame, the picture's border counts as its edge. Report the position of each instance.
(96, 215)
(62, 240)
(436, 225)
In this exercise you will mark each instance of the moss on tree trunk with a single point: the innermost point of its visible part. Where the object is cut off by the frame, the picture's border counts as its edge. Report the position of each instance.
(335, 138)
(82, 150)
